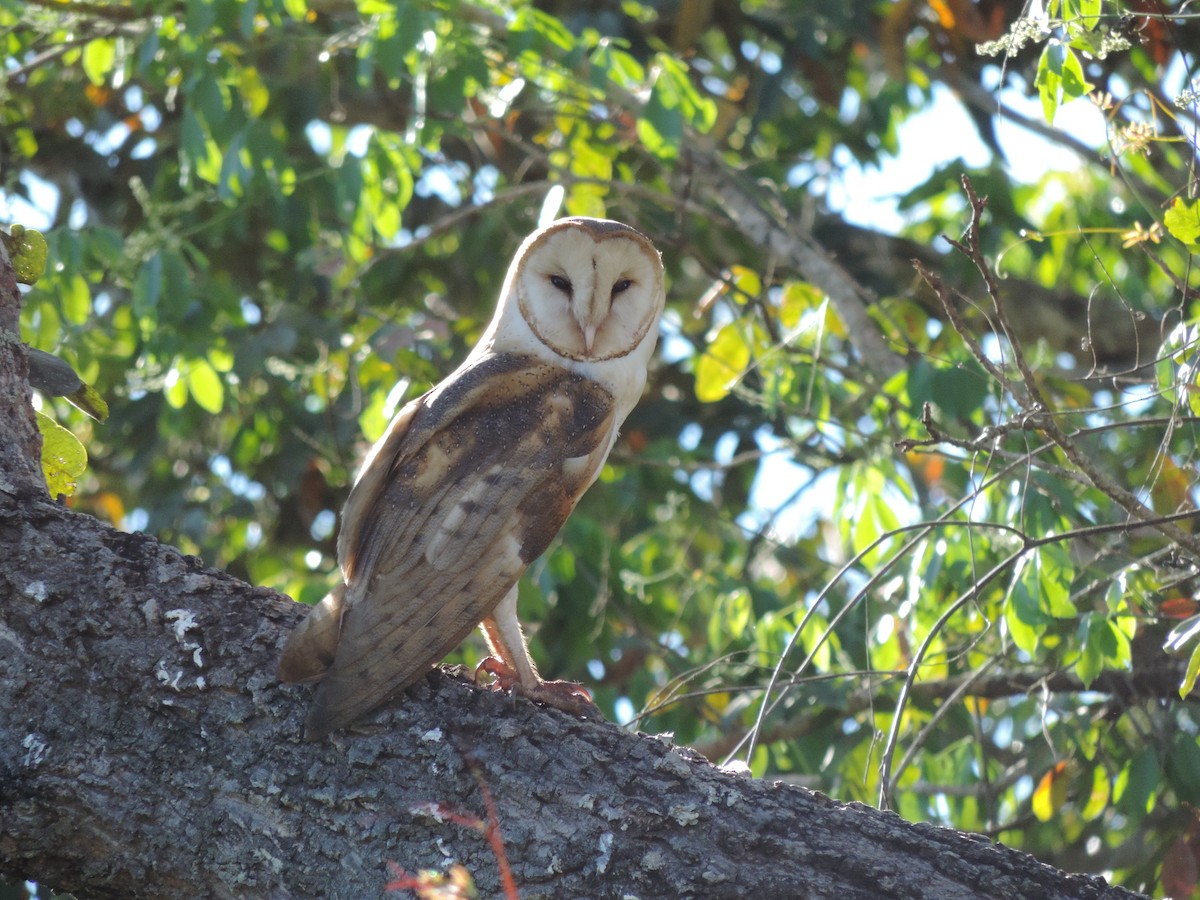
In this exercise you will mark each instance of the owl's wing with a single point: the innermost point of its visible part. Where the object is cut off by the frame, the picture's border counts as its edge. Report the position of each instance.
(474, 486)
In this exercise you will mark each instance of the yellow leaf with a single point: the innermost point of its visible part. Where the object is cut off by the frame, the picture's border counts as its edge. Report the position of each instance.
(110, 506)
(797, 298)
(722, 364)
(1051, 793)
(746, 283)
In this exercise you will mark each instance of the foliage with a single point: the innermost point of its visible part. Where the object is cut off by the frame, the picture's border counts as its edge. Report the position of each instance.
(942, 581)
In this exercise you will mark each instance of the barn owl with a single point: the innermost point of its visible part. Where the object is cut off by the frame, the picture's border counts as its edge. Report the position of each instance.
(471, 481)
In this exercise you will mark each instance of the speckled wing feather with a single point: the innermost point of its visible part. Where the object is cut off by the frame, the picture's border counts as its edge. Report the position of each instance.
(468, 487)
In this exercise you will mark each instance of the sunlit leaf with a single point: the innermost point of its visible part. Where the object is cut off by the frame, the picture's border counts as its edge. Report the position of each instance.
(255, 95)
(1182, 220)
(1103, 647)
(99, 56)
(205, 386)
(722, 364)
(27, 250)
(1060, 78)
(532, 21)
(1098, 797)
(1050, 793)
(77, 300)
(797, 298)
(64, 458)
(1193, 670)
(747, 284)
(1089, 12)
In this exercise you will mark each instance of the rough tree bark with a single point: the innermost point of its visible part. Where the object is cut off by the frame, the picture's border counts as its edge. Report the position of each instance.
(146, 750)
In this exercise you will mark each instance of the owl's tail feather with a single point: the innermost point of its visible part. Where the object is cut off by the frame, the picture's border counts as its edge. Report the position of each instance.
(309, 650)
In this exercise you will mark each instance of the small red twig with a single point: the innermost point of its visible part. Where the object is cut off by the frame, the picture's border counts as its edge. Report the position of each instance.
(494, 838)
(432, 885)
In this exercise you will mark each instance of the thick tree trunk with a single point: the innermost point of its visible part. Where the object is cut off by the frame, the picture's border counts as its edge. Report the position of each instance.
(147, 750)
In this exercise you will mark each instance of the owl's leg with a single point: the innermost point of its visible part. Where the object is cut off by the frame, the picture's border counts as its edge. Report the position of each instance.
(507, 643)
(514, 669)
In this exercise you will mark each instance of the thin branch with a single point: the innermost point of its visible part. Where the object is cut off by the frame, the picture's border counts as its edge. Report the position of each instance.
(1039, 407)
(114, 12)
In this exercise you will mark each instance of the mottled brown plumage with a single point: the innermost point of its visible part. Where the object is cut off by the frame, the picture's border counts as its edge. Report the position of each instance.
(472, 481)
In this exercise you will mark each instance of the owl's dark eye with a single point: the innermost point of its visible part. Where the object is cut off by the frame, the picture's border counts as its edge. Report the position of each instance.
(563, 284)
(621, 286)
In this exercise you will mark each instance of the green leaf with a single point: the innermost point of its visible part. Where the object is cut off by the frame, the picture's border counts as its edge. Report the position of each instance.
(1101, 647)
(1189, 677)
(99, 55)
(673, 102)
(27, 250)
(959, 391)
(1182, 220)
(1089, 11)
(722, 364)
(1049, 79)
(175, 387)
(1059, 79)
(64, 458)
(1074, 85)
(797, 298)
(147, 286)
(871, 513)
(211, 103)
(393, 49)
(234, 169)
(738, 612)
(1026, 611)
(1137, 783)
(1183, 768)
(77, 300)
(538, 30)
(1055, 572)
(255, 95)
(24, 142)
(206, 386)
(1097, 801)
(617, 66)
(201, 15)
(660, 126)
(747, 284)
(699, 111)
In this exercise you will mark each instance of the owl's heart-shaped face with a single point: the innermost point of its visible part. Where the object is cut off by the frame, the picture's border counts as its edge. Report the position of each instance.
(589, 289)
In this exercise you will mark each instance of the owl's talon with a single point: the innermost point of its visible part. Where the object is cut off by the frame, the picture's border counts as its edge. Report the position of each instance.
(569, 696)
(505, 677)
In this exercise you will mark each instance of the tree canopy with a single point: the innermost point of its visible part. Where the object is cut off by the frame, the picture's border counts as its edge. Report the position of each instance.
(906, 515)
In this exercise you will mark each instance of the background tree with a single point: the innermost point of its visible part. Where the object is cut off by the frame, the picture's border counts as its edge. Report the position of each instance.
(915, 537)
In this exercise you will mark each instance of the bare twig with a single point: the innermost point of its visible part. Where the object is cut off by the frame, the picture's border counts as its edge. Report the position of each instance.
(1035, 402)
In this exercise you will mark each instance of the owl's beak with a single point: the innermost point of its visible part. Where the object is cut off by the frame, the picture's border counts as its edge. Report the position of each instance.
(589, 338)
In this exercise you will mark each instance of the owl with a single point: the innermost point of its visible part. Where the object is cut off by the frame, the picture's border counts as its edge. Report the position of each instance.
(471, 481)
